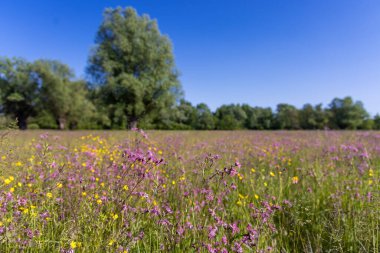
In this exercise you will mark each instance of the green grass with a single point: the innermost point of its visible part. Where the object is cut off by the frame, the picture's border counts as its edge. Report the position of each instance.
(111, 192)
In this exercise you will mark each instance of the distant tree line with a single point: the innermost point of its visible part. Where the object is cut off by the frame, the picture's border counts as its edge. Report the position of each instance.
(133, 82)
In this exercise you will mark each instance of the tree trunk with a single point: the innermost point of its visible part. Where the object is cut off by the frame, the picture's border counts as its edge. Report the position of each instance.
(133, 123)
(61, 123)
(21, 122)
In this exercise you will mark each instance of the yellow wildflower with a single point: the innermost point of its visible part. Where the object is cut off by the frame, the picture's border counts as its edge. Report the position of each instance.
(73, 245)
(49, 195)
(242, 196)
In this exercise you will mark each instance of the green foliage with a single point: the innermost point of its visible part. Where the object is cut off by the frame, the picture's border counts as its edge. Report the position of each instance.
(33, 126)
(368, 124)
(18, 90)
(186, 114)
(44, 93)
(7, 122)
(376, 122)
(230, 117)
(287, 117)
(258, 118)
(134, 64)
(347, 114)
(313, 117)
(45, 120)
(204, 118)
(62, 97)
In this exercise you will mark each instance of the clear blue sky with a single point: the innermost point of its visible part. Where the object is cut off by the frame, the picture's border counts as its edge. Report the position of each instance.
(257, 52)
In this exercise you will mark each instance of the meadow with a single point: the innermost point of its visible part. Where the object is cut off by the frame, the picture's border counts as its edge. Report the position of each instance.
(189, 191)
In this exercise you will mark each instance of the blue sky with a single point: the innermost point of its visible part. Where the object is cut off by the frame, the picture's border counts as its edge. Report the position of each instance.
(257, 52)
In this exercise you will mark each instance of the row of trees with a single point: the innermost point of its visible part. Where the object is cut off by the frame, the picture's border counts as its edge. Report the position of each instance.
(339, 114)
(132, 81)
(43, 94)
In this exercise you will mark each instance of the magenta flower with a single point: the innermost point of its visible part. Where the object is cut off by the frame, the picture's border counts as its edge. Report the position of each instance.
(212, 232)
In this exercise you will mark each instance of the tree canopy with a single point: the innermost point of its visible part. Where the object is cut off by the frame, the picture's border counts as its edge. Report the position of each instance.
(18, 89)
(347, 114)
(134, 65)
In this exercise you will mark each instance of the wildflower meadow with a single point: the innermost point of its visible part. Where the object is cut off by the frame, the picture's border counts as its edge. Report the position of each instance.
(192, 191)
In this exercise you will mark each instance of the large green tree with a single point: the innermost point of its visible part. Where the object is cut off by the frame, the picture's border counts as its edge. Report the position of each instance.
(347, 114)
(62, 96)
(19, 90)
(134, 65)
(287, 117)
(257, 117)
(313, 117)
(376, 122)
(205, 119)
(230, 117)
